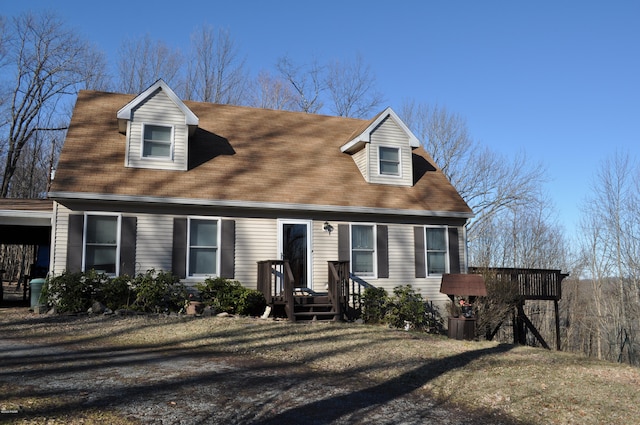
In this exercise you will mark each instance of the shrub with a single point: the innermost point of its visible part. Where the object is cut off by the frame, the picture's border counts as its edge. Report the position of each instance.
(116, 292)
(374, 305)
(159, 292)
(406, 308)
(230, 296)
(251, 302)
(74, 292)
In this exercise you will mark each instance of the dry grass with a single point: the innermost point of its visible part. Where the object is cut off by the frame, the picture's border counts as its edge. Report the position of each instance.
(518, 383)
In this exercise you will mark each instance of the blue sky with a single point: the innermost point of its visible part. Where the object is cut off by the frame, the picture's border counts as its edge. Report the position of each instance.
(557, 80)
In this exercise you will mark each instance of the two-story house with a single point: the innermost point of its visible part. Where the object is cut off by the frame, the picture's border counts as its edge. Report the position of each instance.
(202, 189)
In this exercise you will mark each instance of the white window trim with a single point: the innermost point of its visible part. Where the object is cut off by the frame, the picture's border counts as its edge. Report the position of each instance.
(118, 233)
(374, 275)
(171, 146)
(218, 247)
(447, 254)
(393, 176)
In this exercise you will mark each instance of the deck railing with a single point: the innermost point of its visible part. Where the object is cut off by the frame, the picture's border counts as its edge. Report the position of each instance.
(275, 281)
(338, 287)
(532, 284)
(347, 289)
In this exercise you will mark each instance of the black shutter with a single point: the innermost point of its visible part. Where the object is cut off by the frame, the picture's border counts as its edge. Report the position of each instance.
(128, 246)
(179, 255)
(454, 251)
(74, 243)
(418, 237)
(382, 249)
(344, 250)
(228, 249)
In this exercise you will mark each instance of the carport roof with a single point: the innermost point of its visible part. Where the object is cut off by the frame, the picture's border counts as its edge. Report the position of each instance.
(25, 221)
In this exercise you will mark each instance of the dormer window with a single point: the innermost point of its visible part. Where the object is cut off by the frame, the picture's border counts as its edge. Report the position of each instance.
(157, 141)
(389, 161)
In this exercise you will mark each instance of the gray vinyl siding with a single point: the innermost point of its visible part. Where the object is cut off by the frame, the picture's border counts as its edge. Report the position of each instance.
(158, 110)
(256, 240)
(360, 159)
(389, 134)
(59, 238)
(325, 249)
(155, 241)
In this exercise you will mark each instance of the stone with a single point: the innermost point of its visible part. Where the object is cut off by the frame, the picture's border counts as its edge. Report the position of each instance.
(40, 309)
(97, 308)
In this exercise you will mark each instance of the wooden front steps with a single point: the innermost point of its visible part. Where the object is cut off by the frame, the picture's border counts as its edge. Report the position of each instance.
(314, 307)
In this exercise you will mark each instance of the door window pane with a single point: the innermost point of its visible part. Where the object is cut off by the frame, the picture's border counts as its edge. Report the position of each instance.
(294, 249)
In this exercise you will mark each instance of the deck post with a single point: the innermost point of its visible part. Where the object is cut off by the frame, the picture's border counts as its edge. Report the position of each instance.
(557, 312)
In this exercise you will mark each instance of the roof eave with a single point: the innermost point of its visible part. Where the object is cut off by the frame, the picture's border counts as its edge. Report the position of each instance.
(124, 114)
(82, 196)
(359, 141)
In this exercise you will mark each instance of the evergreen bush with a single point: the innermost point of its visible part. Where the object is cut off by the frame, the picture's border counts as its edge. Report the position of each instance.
(374, 305)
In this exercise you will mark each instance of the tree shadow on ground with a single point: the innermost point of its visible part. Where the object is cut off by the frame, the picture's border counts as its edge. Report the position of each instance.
(199, 376)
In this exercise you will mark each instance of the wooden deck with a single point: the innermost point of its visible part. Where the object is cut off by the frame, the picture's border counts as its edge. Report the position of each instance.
(531, 284)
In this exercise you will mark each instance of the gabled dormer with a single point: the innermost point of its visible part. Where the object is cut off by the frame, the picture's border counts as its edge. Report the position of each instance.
(382, 150)
(157, 125)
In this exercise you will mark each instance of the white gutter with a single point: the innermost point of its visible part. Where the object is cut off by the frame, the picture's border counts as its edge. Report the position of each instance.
(253, 204)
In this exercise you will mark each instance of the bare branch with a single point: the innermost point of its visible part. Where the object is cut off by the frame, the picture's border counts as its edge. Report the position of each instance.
(215, 72)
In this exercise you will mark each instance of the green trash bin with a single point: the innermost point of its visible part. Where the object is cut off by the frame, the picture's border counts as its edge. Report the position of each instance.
(36, 289)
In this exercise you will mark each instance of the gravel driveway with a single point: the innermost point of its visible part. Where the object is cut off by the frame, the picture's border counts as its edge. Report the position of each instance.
(177, 386)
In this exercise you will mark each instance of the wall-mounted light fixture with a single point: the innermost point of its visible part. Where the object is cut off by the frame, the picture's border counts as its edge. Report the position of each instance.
(327, 227)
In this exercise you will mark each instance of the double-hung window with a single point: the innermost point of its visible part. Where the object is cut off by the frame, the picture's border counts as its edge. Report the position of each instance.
(363, 249)
(437, 256)
(389, 161)
(204, 242)
(101, 243)
(157, 141)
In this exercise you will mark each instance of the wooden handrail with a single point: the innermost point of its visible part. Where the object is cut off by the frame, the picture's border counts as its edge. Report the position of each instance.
(288, 291)
(275, 279)
(335, 289)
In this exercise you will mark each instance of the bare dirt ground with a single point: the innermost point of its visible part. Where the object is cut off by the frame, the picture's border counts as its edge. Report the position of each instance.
(48, 377)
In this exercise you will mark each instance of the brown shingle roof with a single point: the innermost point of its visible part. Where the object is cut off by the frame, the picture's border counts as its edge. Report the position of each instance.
(22, 204)
(243, 154)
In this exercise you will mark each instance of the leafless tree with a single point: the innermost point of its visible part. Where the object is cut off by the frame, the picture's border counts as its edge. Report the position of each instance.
(307, 83)
(272, 93)
(489, 182)
(215, 72)
(47, 62)
(4, 42)
(610, 235)
(352, 89)
(143, 61)
(94, 71)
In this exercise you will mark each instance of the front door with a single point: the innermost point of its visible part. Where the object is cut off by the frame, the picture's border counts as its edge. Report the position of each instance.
(295, 246)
